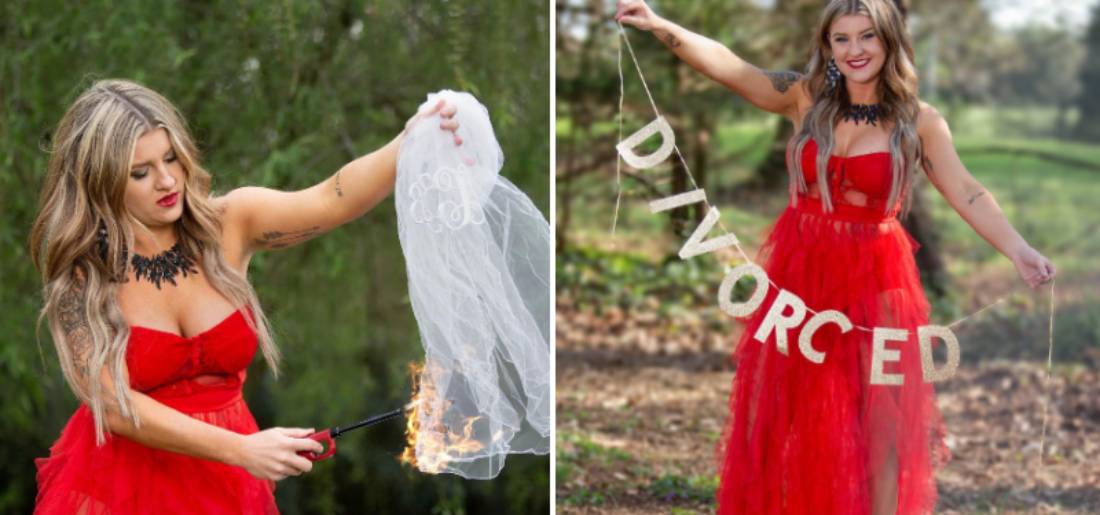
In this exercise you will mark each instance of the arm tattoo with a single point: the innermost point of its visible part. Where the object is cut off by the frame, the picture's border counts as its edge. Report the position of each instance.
(975, 196)
(782, 81)
(671, 41)
(276, 240)
(73, 318)
(339, 192)
(928, 167)
(931, 171)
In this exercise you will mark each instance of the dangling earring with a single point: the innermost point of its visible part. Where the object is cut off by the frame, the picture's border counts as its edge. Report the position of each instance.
(101, 240)
(832, 74)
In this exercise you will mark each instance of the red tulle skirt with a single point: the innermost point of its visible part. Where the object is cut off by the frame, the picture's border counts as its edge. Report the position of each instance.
(126, 478)
(808, 438)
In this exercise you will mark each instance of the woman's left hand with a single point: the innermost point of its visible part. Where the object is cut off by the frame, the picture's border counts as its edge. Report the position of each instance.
(1034, 269)
(447, 112)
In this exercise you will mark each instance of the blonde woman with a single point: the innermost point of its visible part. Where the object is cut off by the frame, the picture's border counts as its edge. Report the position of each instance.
(803, 437)
(151, 313)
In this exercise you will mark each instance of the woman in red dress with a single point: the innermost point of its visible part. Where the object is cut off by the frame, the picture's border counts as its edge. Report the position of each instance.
(151, 313)
(805, 437)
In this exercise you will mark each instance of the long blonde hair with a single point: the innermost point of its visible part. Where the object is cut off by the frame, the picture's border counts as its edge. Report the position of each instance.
(84, 194)
(897, 93)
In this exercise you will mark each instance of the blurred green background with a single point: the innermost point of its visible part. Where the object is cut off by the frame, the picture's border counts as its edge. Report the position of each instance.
(279, 94)
(1019, 84)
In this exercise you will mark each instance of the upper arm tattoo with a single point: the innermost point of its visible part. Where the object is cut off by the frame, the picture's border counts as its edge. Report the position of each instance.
(73, 318)
(339, 192)
(975, 197)
(931, 171)
(782, 81)
(275, 240)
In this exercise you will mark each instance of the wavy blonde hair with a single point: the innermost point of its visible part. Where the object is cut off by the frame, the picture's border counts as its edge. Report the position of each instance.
(897, 92)
(84, 192)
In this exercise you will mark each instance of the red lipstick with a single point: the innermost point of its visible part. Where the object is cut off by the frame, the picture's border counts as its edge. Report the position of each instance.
(865, 63)
(168, 200)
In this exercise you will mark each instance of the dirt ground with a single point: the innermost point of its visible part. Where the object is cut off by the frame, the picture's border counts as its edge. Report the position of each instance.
(638, 404)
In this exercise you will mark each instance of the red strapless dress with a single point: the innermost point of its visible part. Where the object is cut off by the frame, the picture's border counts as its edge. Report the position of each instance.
(807, 438)
(124, 477)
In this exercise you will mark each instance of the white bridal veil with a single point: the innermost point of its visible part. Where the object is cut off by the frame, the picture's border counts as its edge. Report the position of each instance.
(478, 256)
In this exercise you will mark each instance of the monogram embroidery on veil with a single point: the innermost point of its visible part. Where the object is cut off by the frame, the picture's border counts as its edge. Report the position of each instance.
(454, 215)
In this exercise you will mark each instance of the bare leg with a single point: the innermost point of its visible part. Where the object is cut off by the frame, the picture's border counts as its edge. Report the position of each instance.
(884, 486)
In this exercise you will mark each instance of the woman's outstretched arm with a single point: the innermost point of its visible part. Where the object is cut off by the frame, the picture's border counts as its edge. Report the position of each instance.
(775, 92)
(263, 218)
(971, 200)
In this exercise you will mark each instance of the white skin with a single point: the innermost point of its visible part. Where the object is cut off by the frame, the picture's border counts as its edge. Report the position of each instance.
(852, 38)
(194, 306)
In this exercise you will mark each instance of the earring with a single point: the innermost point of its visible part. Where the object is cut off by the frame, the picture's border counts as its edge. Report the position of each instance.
(832, 73)
(101, 240)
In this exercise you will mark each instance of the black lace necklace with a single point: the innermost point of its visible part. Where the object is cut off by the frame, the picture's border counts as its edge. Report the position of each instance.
(164, 266)
(865, 112)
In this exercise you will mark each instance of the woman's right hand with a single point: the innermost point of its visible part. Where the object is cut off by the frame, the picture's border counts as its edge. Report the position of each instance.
(637, 14)
(272, 454)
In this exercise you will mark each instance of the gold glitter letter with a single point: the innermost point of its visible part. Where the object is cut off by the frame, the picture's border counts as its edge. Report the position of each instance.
(925, 333)
(676, 201)
(880, 354)
(820, 319)
(775, 319)
(695, 244)
(626, 146)
(743, 309)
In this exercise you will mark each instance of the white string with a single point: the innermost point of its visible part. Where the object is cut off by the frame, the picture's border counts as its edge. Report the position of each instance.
(707, 204)
(618, 158)
(1046, 387)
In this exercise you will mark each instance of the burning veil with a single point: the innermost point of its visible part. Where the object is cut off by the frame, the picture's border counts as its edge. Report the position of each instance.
(478, 256)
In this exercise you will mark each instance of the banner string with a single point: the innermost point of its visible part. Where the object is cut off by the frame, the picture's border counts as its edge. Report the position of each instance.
(618, 161)
(1046, 387)
(744, 255)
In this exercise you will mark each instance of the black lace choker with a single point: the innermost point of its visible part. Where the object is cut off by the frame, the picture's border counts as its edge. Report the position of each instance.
(865, 112)
(164, 266)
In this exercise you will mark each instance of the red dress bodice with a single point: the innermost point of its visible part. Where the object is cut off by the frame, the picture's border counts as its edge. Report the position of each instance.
(165, 365)
(868, 174)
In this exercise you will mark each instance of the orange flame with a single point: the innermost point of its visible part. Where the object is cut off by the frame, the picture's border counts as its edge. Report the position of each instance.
(437, 445)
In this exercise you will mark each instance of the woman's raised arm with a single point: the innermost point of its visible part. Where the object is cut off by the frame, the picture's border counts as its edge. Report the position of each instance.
(775, 92)
(263, 218)
(971, 200)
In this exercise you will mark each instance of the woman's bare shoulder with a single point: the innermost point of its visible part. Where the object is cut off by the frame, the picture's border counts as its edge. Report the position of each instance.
(930, 120)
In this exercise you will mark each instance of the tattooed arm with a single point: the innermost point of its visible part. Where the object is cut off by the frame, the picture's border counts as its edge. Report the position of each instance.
(973, 202)
(260, 218)
(776, 92)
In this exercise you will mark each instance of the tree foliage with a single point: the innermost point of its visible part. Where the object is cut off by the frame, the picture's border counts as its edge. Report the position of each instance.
(280, 94)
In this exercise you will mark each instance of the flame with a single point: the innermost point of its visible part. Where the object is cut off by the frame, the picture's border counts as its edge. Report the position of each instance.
(437, 445)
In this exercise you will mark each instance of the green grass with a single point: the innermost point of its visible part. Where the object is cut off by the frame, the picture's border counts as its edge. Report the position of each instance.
(694, 488)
